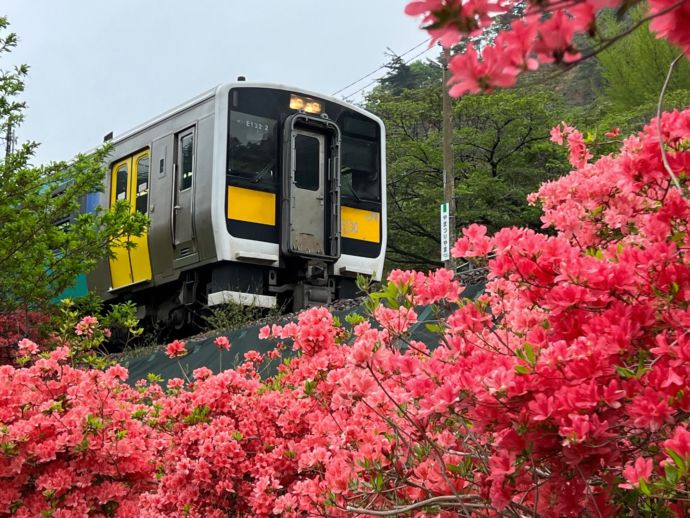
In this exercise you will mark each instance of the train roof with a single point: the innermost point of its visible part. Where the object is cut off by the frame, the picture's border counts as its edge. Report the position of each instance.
(224, 87)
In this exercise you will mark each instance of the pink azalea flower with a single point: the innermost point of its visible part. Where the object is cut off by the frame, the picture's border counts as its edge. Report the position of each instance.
(86, 326)
(633, 473)
(680, 442)
(175, 383)
(253, 356)
(265, 333)
(175, 349)
(222, 342)
(27, 347)
(202, 373)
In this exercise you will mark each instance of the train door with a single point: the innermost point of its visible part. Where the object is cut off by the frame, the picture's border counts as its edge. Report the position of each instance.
(311, 189)
(183, 195)
(131, 263)
(307, 231)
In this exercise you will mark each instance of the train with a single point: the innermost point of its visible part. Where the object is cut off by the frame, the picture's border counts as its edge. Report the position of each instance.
(258, 194)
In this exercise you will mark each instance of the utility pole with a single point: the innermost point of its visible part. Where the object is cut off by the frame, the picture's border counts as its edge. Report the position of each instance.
(448, 173)
(9, 140)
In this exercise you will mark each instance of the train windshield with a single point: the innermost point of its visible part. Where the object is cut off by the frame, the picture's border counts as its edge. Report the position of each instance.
(255, 120)
(252, 147)
(360, 158)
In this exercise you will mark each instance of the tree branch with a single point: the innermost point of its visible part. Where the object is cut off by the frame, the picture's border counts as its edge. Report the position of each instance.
(450, 501)
(664, 158)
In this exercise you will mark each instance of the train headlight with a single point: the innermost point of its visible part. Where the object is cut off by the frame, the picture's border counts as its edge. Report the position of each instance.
(312, 107)
(296, 103)
(305, 103)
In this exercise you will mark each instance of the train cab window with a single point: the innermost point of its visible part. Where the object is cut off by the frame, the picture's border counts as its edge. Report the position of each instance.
(121, 183)
(360, 170)
(360, 158)
(357, 126)
(142, 186)
(252, 147)
(186, 161)
(307, 162)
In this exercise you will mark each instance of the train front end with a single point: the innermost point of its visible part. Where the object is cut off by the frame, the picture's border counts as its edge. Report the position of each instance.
(299, 197)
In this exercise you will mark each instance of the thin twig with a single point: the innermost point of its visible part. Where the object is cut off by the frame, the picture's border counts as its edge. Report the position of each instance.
(183, 371)
(436, 500)
(664, 158)
(588, 490)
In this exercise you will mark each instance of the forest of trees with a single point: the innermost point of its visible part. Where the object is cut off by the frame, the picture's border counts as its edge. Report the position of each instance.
(501, 141)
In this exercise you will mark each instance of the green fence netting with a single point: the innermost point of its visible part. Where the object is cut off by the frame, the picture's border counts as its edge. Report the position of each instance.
(202, 352)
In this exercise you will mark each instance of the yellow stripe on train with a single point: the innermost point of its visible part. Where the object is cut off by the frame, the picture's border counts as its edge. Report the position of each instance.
(252, 206)
(360, 224)
(259, 207)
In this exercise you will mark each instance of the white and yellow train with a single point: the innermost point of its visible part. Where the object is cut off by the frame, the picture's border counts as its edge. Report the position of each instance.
(256, 193)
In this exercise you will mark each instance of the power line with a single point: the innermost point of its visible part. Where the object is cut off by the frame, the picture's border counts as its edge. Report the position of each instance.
(381, 67)
(377, 79)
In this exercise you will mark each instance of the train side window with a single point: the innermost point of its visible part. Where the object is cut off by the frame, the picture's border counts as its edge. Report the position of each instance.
(186, 162)
(142, 186)
(121, 183)
(307, 162)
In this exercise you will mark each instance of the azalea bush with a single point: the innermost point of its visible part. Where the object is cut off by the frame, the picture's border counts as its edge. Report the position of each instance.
(561, 391)
(74, 438)
(73, 442)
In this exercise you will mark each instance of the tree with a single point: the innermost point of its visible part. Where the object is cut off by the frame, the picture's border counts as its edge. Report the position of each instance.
(501, 156)
(635, 67)
(403, 76)
(44, 240)
(413, 145)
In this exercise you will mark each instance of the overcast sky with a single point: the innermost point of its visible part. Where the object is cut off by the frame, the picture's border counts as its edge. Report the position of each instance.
(98, 67)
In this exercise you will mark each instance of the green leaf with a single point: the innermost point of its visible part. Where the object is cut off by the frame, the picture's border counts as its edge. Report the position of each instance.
(310, 387)
(94, 424)
(645, 488)
(82, 446)
(521, 369)
(434, 328)
(9, 448)
(671, 474)
(624, 372)
(354, 318)
(377, 483)
(200, 414)
(154, 378)
(529, 353)
(597, 211)
(678, 460)
(362, 282)
(139, 414)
